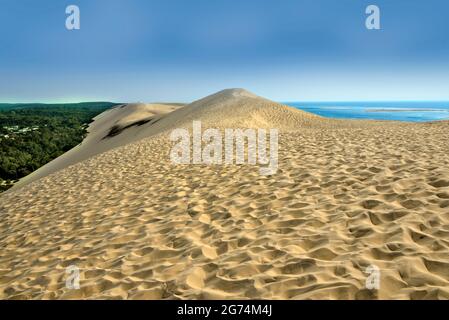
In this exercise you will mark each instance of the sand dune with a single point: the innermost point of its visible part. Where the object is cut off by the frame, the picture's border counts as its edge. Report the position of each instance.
(231, 108)
(347, 195)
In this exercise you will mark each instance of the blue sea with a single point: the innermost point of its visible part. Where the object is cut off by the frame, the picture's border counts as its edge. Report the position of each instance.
(413, 111)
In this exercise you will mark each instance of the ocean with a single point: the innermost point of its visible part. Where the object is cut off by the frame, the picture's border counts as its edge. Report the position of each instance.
(413, 111)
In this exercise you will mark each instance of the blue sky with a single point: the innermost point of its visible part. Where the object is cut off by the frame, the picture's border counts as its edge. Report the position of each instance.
(177, 50)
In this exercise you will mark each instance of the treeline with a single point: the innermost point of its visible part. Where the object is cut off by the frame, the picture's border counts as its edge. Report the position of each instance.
(33, 135)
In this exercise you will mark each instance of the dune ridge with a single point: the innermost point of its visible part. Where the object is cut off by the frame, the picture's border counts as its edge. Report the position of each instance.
(347, 195)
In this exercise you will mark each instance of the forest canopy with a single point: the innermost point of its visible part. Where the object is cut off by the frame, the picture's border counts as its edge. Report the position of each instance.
(32, 135)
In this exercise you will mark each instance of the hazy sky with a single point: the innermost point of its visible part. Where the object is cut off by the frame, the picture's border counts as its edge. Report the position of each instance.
(179, 50)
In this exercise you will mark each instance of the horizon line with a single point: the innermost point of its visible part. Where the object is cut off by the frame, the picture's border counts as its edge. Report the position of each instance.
(279, 101)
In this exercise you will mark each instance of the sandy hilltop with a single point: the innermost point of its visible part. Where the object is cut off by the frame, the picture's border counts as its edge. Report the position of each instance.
(347, 195)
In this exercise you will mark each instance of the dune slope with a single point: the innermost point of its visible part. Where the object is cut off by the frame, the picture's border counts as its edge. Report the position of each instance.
(110, 129)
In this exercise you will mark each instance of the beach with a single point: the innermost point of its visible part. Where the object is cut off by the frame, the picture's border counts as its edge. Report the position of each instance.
(347, 195)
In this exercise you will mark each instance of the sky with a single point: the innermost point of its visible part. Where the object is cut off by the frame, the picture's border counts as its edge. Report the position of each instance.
(180, 51)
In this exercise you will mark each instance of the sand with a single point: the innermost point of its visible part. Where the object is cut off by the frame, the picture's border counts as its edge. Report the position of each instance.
(347, 195)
